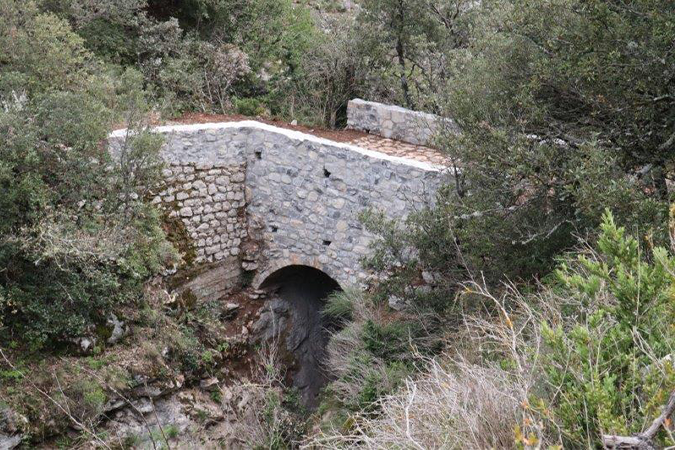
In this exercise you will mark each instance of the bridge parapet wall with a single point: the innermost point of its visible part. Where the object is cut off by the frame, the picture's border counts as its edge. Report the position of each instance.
(298, 195)
(395, 122)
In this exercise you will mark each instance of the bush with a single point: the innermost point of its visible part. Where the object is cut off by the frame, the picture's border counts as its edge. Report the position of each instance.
(589, 353)
(76, 238)
(372, 352)
(249, 107)
(609, 354)
(340, 305)
(548, 140)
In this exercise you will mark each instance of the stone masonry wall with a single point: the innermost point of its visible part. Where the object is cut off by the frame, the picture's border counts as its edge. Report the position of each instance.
(209, 199)
(298, 196)
(394, 122)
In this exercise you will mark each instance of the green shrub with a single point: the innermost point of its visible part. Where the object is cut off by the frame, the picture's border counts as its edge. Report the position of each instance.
(373, 351)
(77, 239)
(386, 340)
(249, 107)
(560, 117)
(340, 305)
(610, 353)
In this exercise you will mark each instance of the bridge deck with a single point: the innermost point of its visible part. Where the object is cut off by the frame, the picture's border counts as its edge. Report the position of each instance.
(352, 137)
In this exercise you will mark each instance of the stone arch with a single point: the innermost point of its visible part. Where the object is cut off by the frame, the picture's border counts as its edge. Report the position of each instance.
(293, 317)
(295, 260)
(277, 277)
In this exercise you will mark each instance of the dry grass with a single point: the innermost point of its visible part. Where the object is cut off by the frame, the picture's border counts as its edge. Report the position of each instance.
(455, 404)
(460, 399)
(255, 409)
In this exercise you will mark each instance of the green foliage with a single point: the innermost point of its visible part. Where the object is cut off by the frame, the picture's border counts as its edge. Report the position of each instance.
(386, 340)
(248, 107)
(340, 305)
(171, 431)
(428, 241)
(76, 238)
(561, 116)
(407, 42)
(372, 352)
(39, 51)
(610, 354)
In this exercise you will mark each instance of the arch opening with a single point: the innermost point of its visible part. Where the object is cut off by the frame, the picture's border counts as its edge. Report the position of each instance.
(293, 317)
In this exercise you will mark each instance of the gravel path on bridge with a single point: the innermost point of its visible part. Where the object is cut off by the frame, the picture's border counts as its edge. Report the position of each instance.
(401, 149)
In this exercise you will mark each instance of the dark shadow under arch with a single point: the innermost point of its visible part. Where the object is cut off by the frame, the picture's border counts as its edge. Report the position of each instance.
(297, 272)
(296, 297)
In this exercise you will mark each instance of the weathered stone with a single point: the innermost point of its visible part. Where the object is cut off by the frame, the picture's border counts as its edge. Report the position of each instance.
(11, 427)
(395, 122)
(210, 384)
(118, 329)
(396, 303)
(229, 310)
(305, 193)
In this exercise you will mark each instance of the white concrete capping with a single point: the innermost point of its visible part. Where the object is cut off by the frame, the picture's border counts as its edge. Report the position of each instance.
(291, 134)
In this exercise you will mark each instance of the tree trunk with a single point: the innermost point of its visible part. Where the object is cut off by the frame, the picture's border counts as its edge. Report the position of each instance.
(400, 52)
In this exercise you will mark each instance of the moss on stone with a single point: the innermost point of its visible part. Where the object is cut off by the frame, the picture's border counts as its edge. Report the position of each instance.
(178, 235)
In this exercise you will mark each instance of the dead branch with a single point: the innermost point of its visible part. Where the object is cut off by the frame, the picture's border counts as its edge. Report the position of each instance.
(642, 441)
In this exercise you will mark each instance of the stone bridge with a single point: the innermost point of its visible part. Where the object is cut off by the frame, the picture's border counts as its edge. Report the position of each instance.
(247, 202)
(248, 197)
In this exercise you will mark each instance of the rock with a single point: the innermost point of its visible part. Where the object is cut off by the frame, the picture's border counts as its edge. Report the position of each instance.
(229, 310)
(428, 277)
(249, 266)
(119, 329)
(272, 320)
(396, 303)
(9, 442)
(11, 426)
(179, 381)
(294, 122)
(169, 412)
(426, 289)
(209, 384)
(152, 391)
(226, 394)
(85, 345)
(245, 398)
(144, 406)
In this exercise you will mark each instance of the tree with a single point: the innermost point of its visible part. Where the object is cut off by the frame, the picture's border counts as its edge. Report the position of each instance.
(333, 72)
(414, 35)
(77, 238)
(562, 115)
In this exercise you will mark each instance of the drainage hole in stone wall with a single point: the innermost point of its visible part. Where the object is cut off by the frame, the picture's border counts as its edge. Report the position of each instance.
(327, 243)
(274, 228)
(326, 173)
(258, 154)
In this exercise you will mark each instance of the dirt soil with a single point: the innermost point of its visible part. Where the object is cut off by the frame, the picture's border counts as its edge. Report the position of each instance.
(345, 136)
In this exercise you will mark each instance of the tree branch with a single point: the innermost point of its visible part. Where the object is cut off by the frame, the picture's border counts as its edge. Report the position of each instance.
(642, 441)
